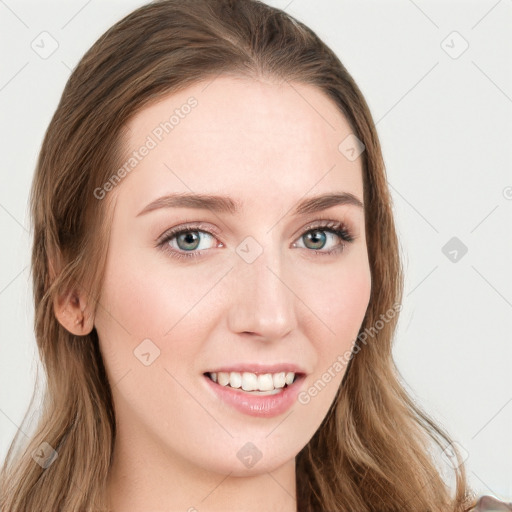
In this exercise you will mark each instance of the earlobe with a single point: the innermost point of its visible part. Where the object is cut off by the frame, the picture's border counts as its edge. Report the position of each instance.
(74, 313)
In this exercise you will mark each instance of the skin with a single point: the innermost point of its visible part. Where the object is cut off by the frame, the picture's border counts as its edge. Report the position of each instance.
(176, 445)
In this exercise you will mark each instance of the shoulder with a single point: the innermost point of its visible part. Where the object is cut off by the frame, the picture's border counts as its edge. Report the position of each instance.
(490, 504)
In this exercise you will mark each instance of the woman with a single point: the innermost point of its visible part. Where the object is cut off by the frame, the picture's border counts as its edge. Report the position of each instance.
(195, 377)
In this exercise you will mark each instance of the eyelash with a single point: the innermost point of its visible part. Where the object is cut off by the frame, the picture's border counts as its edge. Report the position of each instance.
(335, 227)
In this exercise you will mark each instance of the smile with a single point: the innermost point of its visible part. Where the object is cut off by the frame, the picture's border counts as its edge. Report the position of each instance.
(266, 383)
(256, 394)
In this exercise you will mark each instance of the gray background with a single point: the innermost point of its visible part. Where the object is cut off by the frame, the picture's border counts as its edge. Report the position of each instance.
(445, 124)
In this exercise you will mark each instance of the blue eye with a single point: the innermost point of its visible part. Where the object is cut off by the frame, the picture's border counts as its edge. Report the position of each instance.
(183, 242)
(189, 240)
(321, 234)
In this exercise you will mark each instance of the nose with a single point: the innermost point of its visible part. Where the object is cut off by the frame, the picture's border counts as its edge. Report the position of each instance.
(262, 301)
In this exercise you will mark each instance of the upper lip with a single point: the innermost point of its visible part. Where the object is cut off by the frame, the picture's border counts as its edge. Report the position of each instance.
(259, 368)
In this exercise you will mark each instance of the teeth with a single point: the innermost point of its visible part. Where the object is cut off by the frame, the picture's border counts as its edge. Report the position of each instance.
(223, 378)
(251, 382)
(279, 379)
(265, 382)
(235, 380)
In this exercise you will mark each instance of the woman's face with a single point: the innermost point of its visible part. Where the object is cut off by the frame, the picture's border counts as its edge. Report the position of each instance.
(254, 288)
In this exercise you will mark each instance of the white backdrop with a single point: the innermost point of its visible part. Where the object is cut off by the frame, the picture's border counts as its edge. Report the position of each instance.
(437, 78)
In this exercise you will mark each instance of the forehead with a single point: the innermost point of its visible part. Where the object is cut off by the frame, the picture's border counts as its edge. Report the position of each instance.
(241, 136)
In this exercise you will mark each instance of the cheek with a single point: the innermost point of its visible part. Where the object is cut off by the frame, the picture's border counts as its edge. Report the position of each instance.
(148, 299)
(340, 300)
(134, 300)
(339, 305)
(144, 296)
(341, 308)
(348, 304)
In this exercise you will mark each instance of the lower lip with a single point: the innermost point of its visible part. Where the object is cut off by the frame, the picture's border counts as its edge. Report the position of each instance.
(266, 406)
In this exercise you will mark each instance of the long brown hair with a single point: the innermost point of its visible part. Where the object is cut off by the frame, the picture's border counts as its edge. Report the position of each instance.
(374, 449)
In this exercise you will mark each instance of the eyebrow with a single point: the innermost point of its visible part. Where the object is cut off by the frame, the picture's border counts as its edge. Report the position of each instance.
(225, 204)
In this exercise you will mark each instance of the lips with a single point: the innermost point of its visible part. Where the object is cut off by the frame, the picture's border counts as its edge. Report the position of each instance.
(259, 368)
(263, 404)
(257, 389)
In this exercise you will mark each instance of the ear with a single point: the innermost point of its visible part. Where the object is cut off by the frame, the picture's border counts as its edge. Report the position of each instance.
(74, 312)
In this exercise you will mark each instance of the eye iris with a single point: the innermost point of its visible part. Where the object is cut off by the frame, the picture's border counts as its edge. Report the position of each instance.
(312, 235)
(188, 238)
